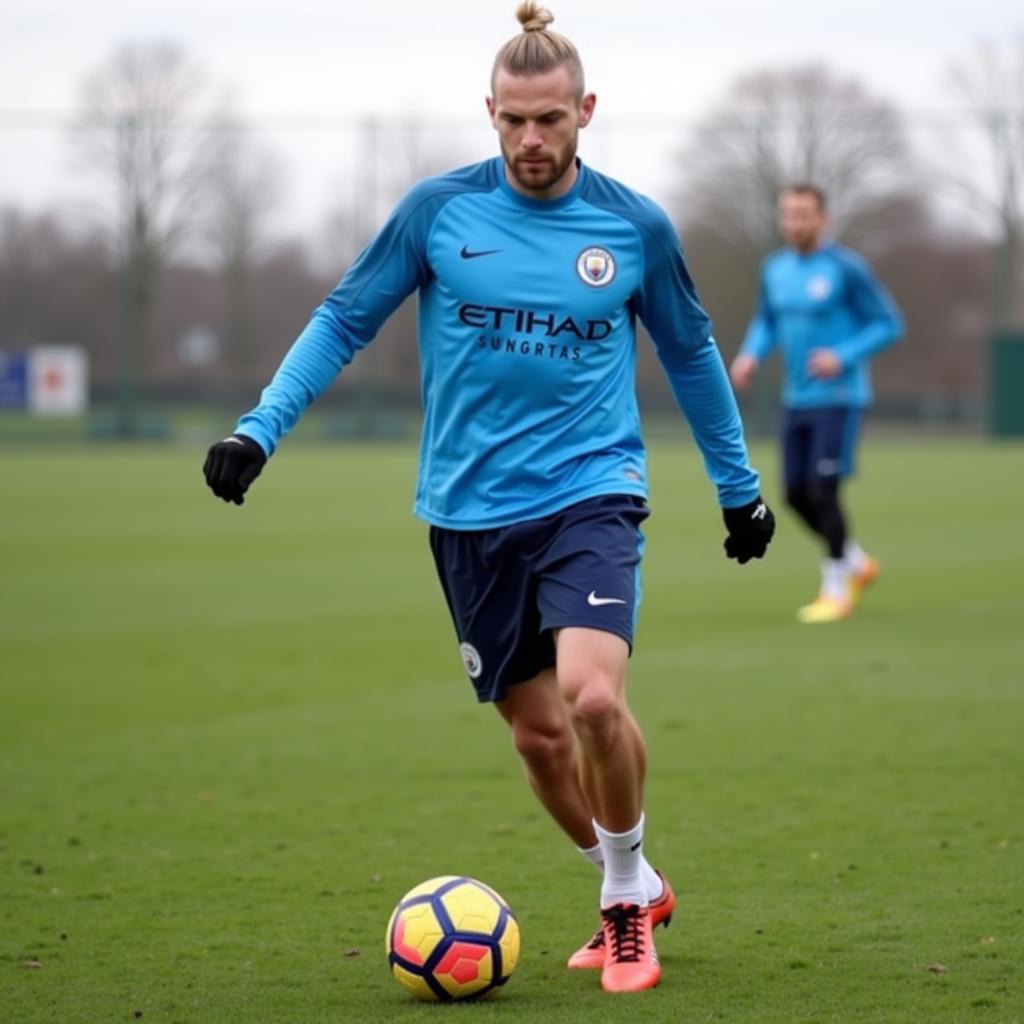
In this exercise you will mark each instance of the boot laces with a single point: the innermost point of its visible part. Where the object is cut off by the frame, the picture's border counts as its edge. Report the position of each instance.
(627, 933)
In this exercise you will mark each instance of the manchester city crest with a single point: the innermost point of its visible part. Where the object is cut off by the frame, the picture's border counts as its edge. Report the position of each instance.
(595, 266)
(471, 659)
(819, 288)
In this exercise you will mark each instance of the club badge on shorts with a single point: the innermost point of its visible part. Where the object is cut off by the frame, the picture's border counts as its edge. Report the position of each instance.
(471, 659)
(595, 266)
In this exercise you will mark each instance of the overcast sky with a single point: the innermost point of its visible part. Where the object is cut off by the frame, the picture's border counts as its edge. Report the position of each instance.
(294, 64)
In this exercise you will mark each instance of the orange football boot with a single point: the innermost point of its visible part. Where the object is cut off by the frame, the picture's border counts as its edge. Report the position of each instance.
(591, 955)
(631, 961)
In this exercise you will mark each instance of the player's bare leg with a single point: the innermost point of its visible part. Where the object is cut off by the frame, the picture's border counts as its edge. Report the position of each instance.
(592, 678)
(543, 735)
(591, 669)
(544, 738)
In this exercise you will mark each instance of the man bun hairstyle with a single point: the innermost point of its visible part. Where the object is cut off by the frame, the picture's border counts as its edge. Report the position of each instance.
(807, 188)
(536, 50)
(533, 17)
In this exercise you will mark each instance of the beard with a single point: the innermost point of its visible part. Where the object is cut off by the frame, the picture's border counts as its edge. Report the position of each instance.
(540, 176)
(804, 241)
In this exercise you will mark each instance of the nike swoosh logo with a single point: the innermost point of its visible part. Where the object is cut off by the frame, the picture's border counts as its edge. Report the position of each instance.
(595, 602)
(467, 254)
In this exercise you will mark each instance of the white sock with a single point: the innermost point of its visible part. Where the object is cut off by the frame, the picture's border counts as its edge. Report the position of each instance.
(853, 555)
(623, 880)
(835, 579)
(651, 879)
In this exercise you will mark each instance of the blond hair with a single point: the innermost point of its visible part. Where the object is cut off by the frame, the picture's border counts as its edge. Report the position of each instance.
(536, 50)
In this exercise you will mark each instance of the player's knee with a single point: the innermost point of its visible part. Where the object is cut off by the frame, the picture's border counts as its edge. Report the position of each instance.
(796, 496)
(543, 747)
(823, 495)
(597, 711)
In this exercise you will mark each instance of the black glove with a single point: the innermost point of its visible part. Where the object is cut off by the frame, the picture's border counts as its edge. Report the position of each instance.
(750, 530)
(231, 465)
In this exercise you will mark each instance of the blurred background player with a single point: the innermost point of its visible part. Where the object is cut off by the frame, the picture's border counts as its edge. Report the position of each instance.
(531, 269)
(822, 306)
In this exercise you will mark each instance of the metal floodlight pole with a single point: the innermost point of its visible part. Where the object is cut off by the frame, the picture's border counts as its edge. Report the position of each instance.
(766, 382)
(1005, 249)
(126, 420)
(367, 154)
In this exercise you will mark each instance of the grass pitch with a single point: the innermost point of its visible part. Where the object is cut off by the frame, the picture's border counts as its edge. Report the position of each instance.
(231, 738)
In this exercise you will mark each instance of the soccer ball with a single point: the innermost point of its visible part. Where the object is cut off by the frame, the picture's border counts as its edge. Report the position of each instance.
(452, 938)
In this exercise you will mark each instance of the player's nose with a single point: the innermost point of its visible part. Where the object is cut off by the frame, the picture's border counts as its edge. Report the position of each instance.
(532, 137)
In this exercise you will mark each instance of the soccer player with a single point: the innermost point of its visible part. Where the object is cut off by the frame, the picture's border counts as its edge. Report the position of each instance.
(531, 270)
(821, 305)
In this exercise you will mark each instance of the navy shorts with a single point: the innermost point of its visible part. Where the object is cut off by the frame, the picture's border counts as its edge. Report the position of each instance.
(507, 588)
(819, 444)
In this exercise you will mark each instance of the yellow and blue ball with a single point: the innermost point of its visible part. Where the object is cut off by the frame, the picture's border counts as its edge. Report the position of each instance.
(452, 938)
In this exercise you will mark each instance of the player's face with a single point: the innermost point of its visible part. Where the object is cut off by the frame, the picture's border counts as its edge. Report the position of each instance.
(538, 119)
(801, 220)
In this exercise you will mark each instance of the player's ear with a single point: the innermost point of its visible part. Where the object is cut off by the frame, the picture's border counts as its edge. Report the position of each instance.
(491, 109)
(587, 105)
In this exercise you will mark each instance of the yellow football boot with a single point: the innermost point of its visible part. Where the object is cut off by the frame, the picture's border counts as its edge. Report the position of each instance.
(869, 571)
(825, 609)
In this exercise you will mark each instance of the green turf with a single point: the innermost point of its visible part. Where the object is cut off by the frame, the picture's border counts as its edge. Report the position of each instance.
(231, 738)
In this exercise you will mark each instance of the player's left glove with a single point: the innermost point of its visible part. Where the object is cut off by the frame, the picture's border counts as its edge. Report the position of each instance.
(750, 530)
(231, 466)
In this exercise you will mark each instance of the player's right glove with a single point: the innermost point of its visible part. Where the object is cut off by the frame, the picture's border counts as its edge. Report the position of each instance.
(750, 530)
(231, 465)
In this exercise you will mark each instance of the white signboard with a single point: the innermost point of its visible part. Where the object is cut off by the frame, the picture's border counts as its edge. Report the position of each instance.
(58, 380)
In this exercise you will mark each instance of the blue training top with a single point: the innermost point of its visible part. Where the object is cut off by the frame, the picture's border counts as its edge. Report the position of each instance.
(828, 298)
(527, 339)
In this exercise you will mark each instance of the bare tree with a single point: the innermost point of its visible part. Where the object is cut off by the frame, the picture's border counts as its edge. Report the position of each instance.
(52, 285)
(390, 156)
(774, 128)
(242, 185)
(133, 132)
(990, 179)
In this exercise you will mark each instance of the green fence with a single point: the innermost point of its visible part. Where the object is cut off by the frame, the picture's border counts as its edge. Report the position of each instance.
(1006, 385)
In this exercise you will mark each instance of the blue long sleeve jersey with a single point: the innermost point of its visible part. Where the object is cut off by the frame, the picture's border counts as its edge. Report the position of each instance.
(527, 346)
(828, 298)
